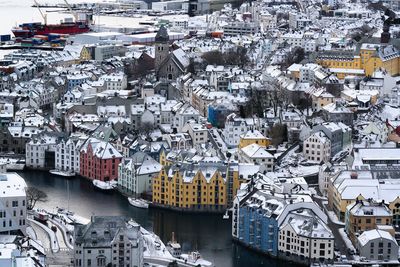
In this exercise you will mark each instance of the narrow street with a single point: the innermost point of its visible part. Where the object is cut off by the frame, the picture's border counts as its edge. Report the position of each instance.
(339, 243)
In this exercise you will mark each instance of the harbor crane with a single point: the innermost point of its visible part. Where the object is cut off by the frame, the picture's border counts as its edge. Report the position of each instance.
(44, 15)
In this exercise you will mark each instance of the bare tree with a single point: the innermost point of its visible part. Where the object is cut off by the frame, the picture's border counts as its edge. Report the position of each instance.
(145, 129)
(279, 134)
(34, 195)
(235, 56)
(213, 57)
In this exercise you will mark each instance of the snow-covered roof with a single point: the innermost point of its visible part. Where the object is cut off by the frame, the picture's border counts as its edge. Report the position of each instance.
(12, 185)
(255, 151)
(374, 234)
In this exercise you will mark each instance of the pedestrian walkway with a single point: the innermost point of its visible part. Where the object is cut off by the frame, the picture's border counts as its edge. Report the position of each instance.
(62, 234)
(51, 235)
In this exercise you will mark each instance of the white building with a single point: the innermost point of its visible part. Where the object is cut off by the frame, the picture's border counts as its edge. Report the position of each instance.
(257, 154)
(67, 155)
(294, 39)
(307, 72)
(73, 96)
(298, 21)
(317, 147)
(115, 81)
(234, 128)
(377, 245)
(197, 132)
(135, 174)
(103, 52)
(12, 204)
(178, 141)
(40, 151)
(326, 172)
(108, 241)
(241, 28)
(304, 235)
(18, 251)
(170, 5)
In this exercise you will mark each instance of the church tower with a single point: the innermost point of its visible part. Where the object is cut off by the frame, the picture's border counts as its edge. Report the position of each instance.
(161, 47)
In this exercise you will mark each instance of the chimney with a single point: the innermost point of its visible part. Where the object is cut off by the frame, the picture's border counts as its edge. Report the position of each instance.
(354, 175)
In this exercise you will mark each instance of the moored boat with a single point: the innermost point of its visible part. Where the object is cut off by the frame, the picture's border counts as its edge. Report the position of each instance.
(138, 202)
(174, 247)
(226, 215)
(104, 185)
(195, 258)
(62, 173)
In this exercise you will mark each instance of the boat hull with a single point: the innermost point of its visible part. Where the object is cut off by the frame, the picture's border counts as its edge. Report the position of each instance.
(105, 186)
(27, 31)
(62, 173)
(138, 203)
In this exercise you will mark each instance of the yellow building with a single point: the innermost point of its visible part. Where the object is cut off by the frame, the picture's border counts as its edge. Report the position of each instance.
(253, 137)
(204, 186)
(346, 187)
(362, 216)
(85, 54)
(370, 58)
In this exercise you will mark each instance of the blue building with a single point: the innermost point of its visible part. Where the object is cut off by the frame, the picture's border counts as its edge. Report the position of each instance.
(260, 209)
(258, 229)
(74, 80)
(218, 112)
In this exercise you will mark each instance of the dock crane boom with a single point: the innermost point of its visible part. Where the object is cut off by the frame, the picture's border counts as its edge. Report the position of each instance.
(71, 11)
(44, 16)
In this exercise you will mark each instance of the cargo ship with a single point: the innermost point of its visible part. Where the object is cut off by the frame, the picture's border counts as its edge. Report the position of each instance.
(28, 30)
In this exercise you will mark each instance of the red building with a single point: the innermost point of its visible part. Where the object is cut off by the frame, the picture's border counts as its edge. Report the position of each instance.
(99, 160)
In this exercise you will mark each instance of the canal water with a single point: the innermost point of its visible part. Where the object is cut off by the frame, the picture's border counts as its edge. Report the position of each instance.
(209, 234)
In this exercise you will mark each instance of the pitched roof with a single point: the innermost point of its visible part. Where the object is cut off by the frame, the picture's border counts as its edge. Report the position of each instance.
(162, 35)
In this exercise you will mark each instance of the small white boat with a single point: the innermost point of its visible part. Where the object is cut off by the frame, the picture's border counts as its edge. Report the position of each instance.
(62, 173)
(157, 243)
(104, 185)
(64, 211)
(226, 216)
(174, 247)
(138, 202)
(76, 219)
(195, 258)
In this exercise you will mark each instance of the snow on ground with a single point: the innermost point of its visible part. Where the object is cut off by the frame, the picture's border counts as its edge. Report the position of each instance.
(320, 197)
(346, 239)
(390, 113)
(52, 236)
(316, 195)
(64, 233)
(304, 170)
(154, 246)
(334, 219)
(31, 233)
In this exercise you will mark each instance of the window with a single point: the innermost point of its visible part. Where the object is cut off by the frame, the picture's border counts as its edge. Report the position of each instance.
(89, 262)
(101, 261)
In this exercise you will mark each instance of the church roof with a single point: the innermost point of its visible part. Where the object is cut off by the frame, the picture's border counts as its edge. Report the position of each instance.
(162, 35)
